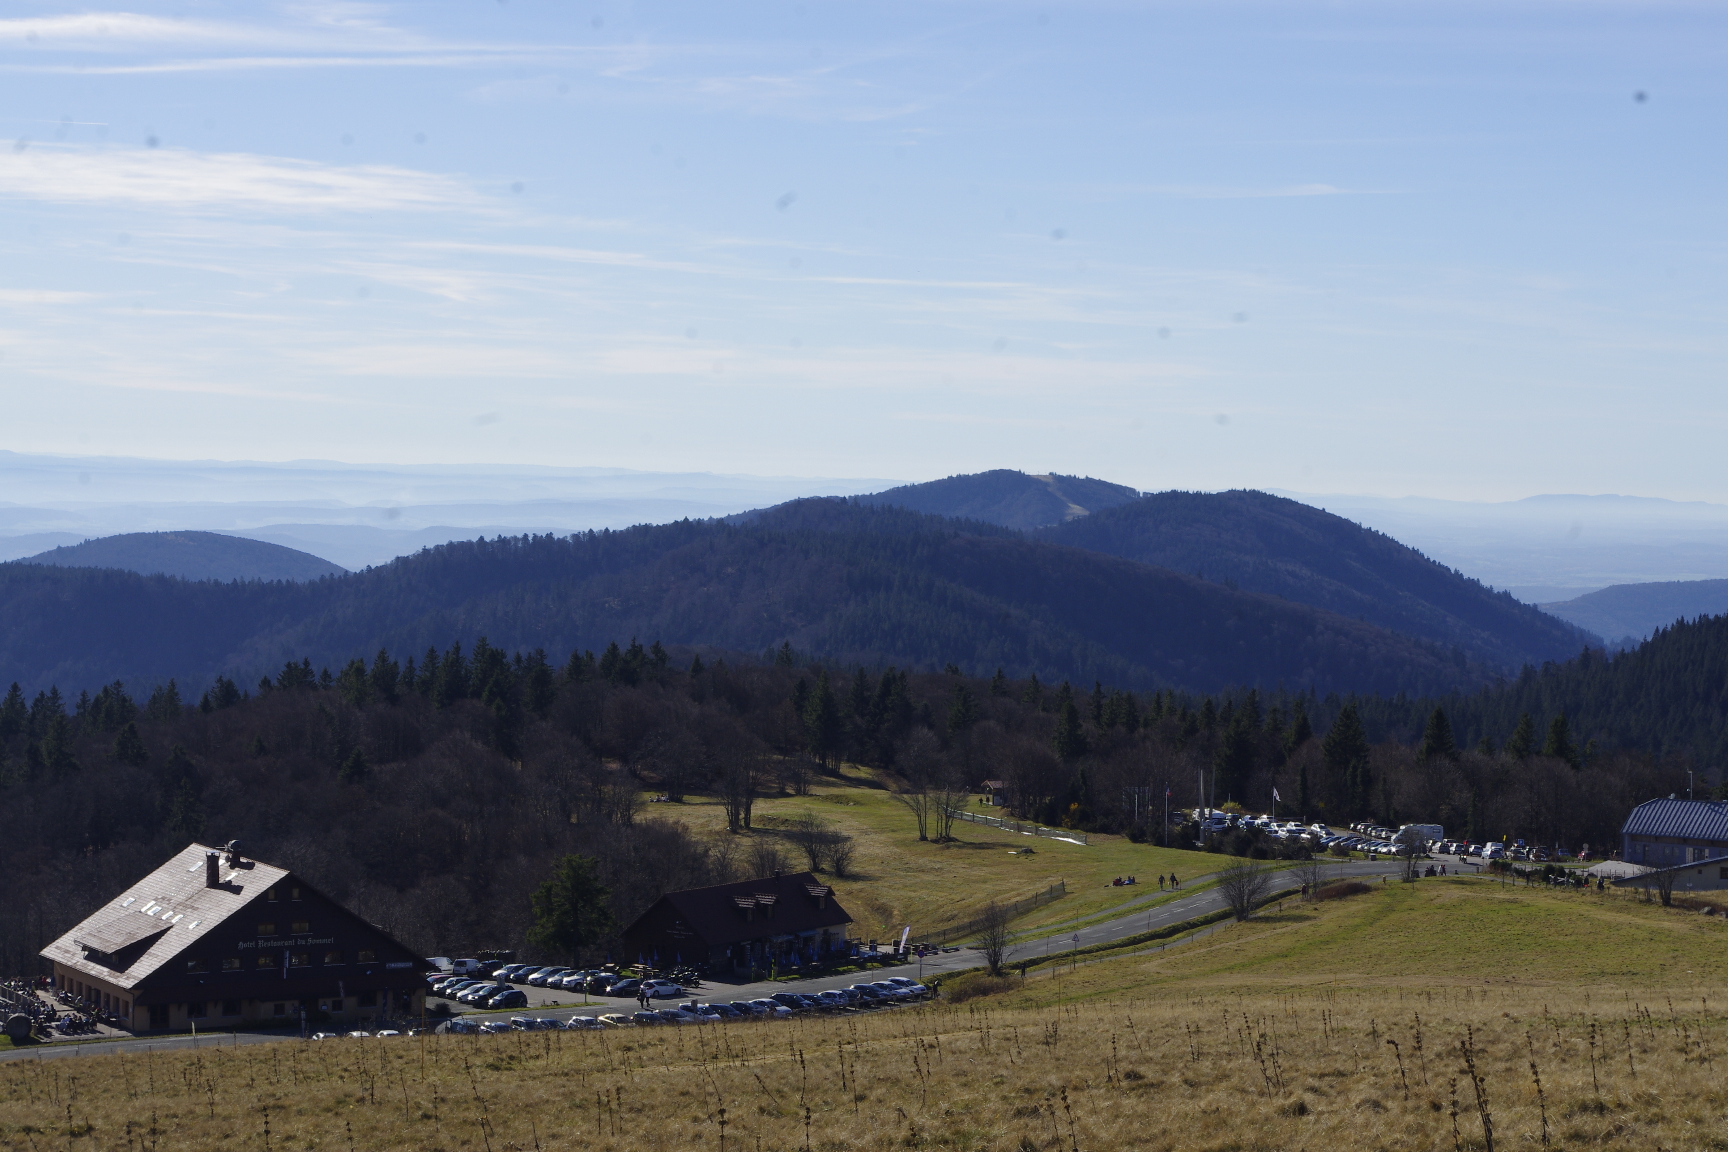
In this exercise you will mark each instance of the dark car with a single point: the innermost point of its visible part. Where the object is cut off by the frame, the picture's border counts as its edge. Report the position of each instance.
(791, 1000)
(629, 986)
(503, 998)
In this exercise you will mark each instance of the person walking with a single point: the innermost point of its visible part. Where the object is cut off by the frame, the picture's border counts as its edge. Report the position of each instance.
(1160, 881)
(1174, 883)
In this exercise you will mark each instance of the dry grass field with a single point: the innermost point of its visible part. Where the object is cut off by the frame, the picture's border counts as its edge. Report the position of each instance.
(1359, 1024)
(902, 881)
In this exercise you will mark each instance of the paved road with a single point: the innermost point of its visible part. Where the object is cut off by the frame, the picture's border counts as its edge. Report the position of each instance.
(1141, 914)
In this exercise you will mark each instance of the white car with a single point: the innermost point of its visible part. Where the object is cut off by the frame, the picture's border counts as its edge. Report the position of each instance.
(661, 989)
(387, 1032)
(912, 987)
(772, 1008)
(583, 1023)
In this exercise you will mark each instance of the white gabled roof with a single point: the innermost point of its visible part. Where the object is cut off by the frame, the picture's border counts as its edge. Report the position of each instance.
(156, 919)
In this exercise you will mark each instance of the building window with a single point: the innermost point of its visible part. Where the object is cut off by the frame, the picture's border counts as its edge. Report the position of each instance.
(266, 928)
(271, 895)
(230, 1007)
(299, 959)
(333, 957)
(1722, 873)
(279, 1010)
(368, 1000)
(365, 956)
(330, 1005)
(266, 960)
(301, 927)
(197, 966)
(231, 964)
(196, 1010)
(293, 893)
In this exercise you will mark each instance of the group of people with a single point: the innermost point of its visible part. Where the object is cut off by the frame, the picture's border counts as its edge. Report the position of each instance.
(1174, 883)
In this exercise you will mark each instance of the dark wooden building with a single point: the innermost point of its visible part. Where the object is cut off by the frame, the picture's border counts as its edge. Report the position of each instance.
(750, 925)
(213, 939)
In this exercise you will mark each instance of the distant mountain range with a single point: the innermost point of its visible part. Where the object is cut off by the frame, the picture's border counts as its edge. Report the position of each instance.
(191, 556)
(1626, 614)
(839, 580)
(1262, 543)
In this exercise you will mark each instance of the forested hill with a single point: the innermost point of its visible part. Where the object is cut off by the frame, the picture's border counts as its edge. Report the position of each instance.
(1264, 543)
(1006, 497)
(192, 556)
(835, 580)
(1668, 696)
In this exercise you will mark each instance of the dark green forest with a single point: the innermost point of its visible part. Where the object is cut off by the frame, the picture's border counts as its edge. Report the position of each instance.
(432, 792)
(850, 584)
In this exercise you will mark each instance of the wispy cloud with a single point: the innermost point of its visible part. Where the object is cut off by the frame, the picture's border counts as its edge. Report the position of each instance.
(181, 179)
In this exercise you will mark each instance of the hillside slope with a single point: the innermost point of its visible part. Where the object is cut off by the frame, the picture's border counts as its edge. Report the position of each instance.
(1006, 497)
(849, 584)
(1631, 612)
(1263, 543)
(191, 556)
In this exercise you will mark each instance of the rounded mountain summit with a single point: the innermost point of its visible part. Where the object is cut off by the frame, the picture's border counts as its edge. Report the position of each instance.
(190, 556)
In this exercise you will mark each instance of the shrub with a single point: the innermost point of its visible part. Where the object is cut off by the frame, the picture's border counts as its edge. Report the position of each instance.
(974, 984)
(1339, 889)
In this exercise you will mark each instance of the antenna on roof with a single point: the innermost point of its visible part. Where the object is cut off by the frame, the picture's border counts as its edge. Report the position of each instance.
(231, 853)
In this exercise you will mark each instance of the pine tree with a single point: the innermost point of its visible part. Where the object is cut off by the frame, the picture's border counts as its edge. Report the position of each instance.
(386, 677)
(572, 910)
(538, 687)
(1559, 743)
(859, 697)
(1522, 744)
(999, 683)
(1235, 757)
(696, 668)
(14, 714)
(185, 822)
(822, 722)
(354, 685)
(1033, 693)
(784, 658)
(1301, 731)
(1346, 752)
(1069, 740)
(962, 710)
(1437, 737)
(1098, 705)
(129, 746)
(452, 678)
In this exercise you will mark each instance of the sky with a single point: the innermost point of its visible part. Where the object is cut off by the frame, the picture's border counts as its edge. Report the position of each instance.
(1460, 250)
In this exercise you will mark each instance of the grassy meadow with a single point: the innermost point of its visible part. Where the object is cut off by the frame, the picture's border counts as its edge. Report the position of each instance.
(1448, 1015)
(899, 880)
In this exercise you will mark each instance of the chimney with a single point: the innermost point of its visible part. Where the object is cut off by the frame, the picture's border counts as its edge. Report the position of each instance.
(232, 851)
(212, 870)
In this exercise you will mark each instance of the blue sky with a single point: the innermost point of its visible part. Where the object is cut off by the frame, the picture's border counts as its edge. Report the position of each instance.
(1390, 248)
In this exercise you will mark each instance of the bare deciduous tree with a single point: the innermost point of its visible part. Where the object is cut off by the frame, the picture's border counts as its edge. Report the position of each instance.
(995, 939)
(1311, 873)
(920, 803)
(764, 858)
(1244, 884)
(1412, 847)
(738, 789)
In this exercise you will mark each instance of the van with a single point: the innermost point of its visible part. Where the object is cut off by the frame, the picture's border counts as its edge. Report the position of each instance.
(464, 967)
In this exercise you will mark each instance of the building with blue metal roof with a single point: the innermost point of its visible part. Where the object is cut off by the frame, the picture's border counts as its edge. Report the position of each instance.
(1670, 832)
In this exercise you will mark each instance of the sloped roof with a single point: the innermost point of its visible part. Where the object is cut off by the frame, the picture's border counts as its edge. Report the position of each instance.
(1681, 819)
(172, 904)
(718, 914)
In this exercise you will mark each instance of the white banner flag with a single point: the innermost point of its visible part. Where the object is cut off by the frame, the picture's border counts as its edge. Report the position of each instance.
(904, 936)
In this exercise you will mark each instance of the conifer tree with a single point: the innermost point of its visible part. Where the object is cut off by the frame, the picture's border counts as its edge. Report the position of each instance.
(822, 720)
(999, 683)
(1522, 743)
(14, 714)
(1069, 740)
(1559, 744)
(538, 688)
(385, 677)
(129, 746)
(1301, 731)
(1437, 737)
(696, 668)
(962, 710)
(1346, 751)
(1033, 693)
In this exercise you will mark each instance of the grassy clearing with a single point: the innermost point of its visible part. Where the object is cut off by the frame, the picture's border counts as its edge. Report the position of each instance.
(902, 881)
(1350, 1025)
(1439, 932)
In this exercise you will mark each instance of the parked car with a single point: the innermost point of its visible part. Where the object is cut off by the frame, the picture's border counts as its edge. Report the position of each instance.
(791, 1001)
(645, 1017)
(626, 987)
(614, 1020)
(478, 989)
(747, 1008)
(834, 1000)
(677, 1016)
(495, 1026)
(772, 1008)
(503, 998)
(571, 981)
(582, 1024)
(324, 1036)
(661, 989)
(539, 978)
(913, 988)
